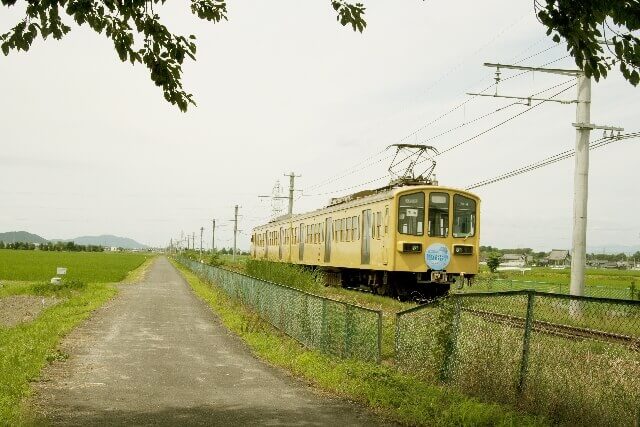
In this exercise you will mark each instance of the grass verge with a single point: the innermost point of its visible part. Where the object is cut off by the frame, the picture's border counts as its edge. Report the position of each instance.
(26, 348)
(391, 394)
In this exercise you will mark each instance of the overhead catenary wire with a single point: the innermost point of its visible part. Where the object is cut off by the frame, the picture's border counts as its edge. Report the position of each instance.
(470, 99)
(454, 146)
(351, 170)
(457, 145)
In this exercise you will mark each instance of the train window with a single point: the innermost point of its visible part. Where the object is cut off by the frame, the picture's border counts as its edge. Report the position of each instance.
(356, 231)
(348, 237)
(464, 216)
(386, 220)
(378, 224)
(411, 214)
(438, 225)
(373, 226)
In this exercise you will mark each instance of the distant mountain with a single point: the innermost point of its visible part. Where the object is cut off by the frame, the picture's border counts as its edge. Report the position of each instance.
(21, 236)
(108, 240)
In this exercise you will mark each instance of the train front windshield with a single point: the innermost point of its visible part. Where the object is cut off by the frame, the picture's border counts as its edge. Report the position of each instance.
(464, 216)
(411, 214)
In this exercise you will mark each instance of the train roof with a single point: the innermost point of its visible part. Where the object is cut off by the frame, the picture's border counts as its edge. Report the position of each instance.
(360, 198)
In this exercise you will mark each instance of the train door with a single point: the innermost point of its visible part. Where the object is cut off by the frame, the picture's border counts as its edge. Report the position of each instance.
(301, 243)
(365, 248)
(328, 232)
(385, 236)
(266, 244)
(280, 244)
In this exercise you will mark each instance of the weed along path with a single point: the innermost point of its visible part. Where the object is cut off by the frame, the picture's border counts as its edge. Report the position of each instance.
(157, 355)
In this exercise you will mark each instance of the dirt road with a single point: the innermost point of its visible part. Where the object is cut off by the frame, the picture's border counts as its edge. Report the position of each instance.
(156, 355)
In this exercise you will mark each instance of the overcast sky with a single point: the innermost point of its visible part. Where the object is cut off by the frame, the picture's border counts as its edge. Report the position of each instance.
(89, 146)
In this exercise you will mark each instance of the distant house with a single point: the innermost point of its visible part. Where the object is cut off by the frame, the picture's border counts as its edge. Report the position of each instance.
(597, 263)
(559, 258)
(513, 260)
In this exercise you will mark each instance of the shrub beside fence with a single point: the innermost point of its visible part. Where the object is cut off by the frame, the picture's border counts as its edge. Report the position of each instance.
(574, 360)
(333, 327)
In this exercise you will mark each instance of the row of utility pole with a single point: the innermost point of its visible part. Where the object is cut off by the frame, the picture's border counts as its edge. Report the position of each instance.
(191, 243)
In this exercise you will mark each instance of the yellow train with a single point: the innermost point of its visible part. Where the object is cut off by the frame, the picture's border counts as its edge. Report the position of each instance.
(411, 240)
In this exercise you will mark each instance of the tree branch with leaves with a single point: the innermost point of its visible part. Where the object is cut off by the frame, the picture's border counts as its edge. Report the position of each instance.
(139, 36)
(599, 33)
(137, 32)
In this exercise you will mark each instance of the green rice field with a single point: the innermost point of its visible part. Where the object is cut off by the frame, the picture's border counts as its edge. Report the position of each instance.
(604, 283)
(27, 347)
(89, 267)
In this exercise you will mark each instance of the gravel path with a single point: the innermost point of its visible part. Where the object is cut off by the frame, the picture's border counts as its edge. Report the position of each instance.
(156, 355)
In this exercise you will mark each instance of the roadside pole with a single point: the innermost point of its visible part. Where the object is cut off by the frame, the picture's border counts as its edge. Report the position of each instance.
(235, 231)
(581, 186)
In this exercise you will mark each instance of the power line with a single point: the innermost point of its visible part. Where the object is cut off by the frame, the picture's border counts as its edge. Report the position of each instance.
(453, 147)
(599, 143)
(461, 142)
(471, 98)
(352, 170)
(345, 189)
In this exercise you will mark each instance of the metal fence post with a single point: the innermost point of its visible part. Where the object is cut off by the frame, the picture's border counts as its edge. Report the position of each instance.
(451, 340)
(347, 331)
(379, 352)
(323, 328)
(397, 339)
(524, 364)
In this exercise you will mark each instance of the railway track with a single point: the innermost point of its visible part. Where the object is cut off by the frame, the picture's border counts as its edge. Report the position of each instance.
(556, 329)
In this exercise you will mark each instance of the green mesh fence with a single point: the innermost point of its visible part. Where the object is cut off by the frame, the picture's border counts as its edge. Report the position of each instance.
(575, 360)
(627, 288)
(333, 327)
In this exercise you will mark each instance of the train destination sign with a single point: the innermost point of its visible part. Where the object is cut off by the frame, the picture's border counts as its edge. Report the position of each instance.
(437, 256)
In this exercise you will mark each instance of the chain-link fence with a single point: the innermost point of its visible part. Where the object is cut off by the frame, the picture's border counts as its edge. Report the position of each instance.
(628, 289)
(333, 327)
(575, 360)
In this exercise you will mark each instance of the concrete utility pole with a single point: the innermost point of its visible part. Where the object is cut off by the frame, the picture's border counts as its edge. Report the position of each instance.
(193, 241)
(581, 186)
(213, 235)
(235, 231)
(292, 180)
(583, 127)
(201, 231)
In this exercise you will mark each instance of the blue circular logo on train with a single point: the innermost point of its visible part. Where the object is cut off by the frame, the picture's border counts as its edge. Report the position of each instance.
(437, 256)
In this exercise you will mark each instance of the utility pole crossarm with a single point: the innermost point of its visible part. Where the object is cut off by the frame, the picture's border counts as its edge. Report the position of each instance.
(524, 98)
(560, 71)
(592, 126)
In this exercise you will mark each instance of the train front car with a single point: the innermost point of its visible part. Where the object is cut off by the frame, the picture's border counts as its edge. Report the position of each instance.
(436, 240)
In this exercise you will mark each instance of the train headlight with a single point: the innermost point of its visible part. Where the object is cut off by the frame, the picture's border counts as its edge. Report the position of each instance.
(412, 247)
(462, 250)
